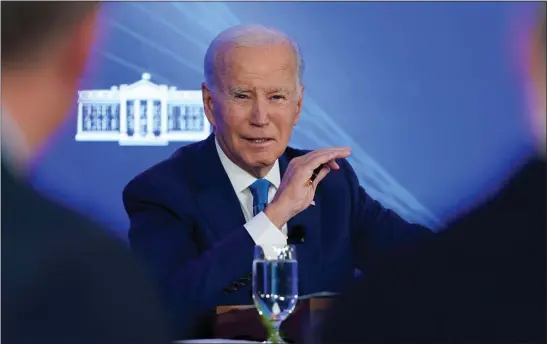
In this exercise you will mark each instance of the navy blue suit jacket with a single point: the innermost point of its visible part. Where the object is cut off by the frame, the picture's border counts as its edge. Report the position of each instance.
(187, 222)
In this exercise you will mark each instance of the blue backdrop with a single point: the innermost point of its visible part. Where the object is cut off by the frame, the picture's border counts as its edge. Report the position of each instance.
(424, 93)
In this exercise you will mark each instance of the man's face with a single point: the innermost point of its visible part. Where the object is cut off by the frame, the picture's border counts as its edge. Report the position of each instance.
(255, 104)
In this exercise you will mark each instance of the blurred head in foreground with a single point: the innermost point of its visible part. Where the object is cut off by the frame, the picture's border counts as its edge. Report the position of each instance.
(45, 46)
(537, 71)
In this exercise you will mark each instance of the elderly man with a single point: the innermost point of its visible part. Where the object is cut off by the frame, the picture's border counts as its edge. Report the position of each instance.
(197, 216)
(480, 281)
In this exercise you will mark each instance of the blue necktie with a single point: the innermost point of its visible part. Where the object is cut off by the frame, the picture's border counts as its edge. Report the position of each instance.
(259, 189)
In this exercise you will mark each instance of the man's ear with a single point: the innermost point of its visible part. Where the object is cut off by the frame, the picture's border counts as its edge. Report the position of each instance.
(208, 103)
(299, 105)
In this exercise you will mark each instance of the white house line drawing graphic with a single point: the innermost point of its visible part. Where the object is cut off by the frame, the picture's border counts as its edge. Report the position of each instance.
(141, 114)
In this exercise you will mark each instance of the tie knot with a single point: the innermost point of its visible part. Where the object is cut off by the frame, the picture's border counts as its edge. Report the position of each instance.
(259, 189)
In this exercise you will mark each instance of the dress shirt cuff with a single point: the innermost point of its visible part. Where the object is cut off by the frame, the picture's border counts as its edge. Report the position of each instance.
(263, 231)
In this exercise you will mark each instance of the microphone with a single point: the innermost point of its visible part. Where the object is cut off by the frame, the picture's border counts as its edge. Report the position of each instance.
(296, 235)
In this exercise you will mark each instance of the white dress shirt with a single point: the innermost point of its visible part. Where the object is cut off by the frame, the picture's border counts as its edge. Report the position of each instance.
(260, 228)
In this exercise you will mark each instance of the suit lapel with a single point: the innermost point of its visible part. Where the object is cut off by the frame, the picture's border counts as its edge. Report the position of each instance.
(309, 251)
(215, 194)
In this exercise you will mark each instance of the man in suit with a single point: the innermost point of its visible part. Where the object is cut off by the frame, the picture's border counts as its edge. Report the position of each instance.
(482, 280)
(64, 280)
(196, 216)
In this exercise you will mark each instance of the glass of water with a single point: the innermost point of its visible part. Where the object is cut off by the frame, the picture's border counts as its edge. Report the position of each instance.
(275, 284)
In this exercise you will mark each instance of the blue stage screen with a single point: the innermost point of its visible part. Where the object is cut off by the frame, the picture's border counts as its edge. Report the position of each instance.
(426, 94)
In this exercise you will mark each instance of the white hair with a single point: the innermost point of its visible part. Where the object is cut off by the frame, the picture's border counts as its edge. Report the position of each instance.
(248, 36)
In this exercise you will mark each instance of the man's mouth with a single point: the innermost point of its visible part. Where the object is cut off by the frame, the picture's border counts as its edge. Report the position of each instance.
(258, 139)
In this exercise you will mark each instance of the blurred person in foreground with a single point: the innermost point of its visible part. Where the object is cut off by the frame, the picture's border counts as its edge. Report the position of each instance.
(64, 280)
(482, 280)
(196, 216)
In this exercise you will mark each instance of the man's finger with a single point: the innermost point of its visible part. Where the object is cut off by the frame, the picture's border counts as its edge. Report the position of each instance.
(333, 165)
(322, 174)
(329, 165)
(320, 159)
(334, 153)
(323, 151)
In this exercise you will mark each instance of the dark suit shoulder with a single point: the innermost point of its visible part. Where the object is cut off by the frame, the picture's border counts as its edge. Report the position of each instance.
(35, 228)
(516, 211)
(31, 213)
(152, 176)
(295, 152)
(190, 149)
(508, 227)
(71, 274)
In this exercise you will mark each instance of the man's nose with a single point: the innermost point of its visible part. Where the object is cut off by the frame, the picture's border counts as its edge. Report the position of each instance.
(259, 115)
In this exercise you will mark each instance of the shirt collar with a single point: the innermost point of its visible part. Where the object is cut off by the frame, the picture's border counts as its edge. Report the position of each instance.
(240, 178)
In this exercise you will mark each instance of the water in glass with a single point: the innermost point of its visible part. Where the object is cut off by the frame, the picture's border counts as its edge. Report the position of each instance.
(275, 284)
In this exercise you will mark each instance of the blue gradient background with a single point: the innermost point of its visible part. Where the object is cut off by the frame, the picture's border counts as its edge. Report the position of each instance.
(424, 93)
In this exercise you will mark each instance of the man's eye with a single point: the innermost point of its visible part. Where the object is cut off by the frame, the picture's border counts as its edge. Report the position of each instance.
(278, 97)
(241, 96)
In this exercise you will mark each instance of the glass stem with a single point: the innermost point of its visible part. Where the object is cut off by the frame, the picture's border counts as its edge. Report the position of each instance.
(275, 337)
